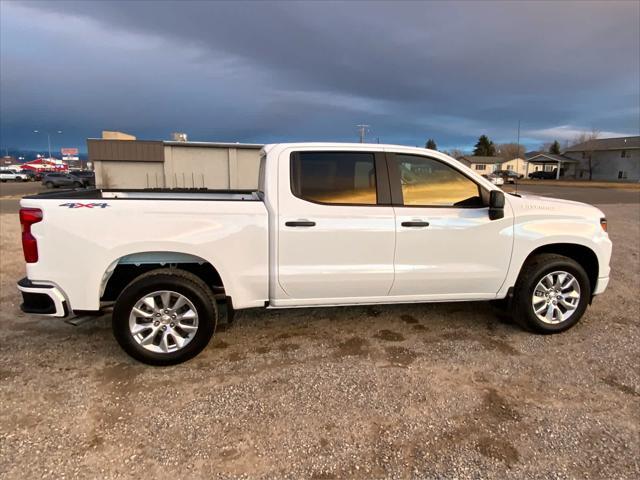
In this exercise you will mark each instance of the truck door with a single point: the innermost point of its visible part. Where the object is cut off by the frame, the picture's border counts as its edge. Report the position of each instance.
(447, 246)
(336, 228)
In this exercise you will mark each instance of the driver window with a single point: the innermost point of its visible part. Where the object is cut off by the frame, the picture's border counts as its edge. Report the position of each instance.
(427, 182)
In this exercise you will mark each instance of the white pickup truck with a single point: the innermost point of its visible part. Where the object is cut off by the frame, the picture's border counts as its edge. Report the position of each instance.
(330, 224)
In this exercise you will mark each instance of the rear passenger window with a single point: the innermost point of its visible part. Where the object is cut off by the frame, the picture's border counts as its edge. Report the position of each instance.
(341, 178)
(427, 182)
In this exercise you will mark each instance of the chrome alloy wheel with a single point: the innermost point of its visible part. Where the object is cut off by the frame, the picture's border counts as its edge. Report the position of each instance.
(163, 321)
(556, 297)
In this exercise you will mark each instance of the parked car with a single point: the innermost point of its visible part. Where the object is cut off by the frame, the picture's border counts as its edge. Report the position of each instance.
(508, 176)
(329, 224)
(56, 179)
(12, 175)
(32, 176)
(88, 177)
(495, 179)
(543, 175)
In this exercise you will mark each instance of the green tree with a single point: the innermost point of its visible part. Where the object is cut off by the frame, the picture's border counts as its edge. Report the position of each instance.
(431, 144)
(484, 147)
(555, 148)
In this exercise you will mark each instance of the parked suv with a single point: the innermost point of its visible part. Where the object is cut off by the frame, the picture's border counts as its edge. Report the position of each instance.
(31, 175)
(87, 176)
(12, 175)
(54, 180)
(508, 176)
(542, 175)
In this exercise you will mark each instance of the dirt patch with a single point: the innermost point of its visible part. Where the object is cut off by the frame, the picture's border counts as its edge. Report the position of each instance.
(486, 341)
(400, 355)
(409, 319)
(613, 382)
(389, 336)
(354, 346)
(498, 407)
(498, 449)
(373, 312)
(288, 347)
(236, 357)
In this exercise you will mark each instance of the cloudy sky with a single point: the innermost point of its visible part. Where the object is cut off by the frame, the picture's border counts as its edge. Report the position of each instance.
(295, 71)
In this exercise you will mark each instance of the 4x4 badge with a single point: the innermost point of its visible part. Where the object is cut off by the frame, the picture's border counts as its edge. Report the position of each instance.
(84, 205)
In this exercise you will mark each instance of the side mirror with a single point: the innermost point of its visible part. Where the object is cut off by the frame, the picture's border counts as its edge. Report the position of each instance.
(496, 204)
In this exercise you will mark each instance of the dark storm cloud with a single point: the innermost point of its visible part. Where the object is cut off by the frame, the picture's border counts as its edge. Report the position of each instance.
(261, 71)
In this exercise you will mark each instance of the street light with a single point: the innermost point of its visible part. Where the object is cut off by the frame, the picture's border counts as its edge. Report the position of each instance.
(48, 139)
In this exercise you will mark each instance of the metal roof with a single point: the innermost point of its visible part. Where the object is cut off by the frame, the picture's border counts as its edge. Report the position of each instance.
(479, 159)
(214, 144)
(550, 158)
(619, 143)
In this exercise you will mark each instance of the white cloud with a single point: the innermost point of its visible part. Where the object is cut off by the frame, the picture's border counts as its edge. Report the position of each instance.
(567, 132)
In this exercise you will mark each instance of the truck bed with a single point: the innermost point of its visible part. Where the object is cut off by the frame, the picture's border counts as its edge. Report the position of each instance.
(150, 194)
(85, 234)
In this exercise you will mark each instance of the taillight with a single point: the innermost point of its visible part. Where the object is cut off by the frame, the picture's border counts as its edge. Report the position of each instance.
(29, 216)
(603, 223)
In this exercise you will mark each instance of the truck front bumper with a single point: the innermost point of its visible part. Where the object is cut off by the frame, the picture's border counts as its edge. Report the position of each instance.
(601, 285)
(42, 299)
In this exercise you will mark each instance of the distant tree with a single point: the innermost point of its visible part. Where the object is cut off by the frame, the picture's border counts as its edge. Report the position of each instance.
(509, 151)
(555, 148)
(587, 138)
(455, 153)
(431, 144)
(484, 147)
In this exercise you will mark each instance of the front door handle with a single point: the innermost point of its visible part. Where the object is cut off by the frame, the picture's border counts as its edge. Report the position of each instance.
(300, 223)
(415, 224)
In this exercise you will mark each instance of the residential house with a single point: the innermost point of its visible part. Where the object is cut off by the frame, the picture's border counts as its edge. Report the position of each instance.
(517, 165)
(548, 162)
(481, 165)
(613, 159)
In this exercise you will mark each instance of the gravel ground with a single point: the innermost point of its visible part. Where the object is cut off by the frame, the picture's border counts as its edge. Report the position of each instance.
(411, 391)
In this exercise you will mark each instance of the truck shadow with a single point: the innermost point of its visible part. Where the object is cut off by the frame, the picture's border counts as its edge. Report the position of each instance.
(399, 331)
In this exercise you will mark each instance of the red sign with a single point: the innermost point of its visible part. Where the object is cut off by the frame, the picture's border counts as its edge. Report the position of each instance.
(69, 152)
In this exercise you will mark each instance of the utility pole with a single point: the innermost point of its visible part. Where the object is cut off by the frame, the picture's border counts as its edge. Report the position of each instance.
(526, 164)
(48, 139)
(363, 130)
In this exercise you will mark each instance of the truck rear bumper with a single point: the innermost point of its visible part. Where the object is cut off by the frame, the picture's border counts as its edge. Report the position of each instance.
(42, 299)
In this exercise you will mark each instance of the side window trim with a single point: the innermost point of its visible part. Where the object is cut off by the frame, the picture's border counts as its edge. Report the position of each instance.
(397, 199)
(383, 184)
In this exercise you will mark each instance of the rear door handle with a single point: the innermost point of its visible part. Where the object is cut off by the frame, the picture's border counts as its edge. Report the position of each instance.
(415, 224)
(300, 223)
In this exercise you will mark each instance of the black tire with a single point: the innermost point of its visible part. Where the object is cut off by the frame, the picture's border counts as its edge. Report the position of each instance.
(48, 185)
(77, 185)
(176, 280)
(532, 272)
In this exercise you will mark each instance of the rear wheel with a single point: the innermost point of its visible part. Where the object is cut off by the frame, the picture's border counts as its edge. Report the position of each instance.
(165, 317)
(552, 293)
(49, 184)
(77, 185)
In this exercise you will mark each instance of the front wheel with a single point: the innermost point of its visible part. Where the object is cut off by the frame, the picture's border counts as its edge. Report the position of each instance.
(551, 294)
(165, 317)
(49, 184)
